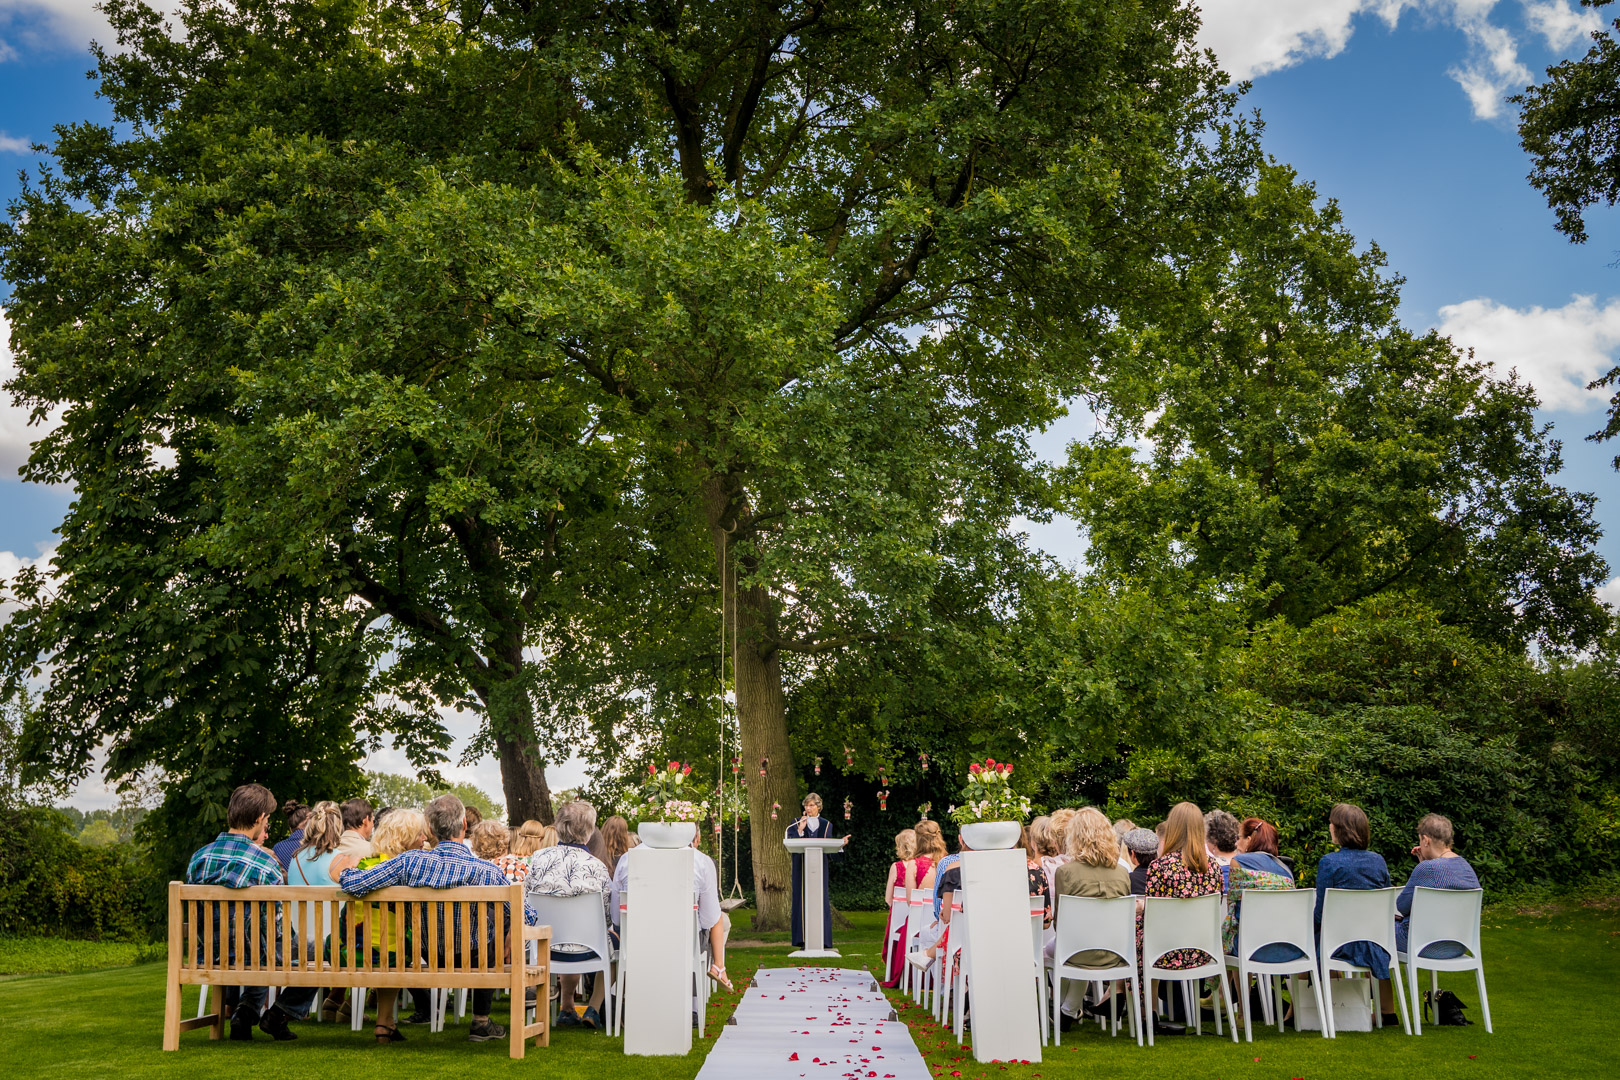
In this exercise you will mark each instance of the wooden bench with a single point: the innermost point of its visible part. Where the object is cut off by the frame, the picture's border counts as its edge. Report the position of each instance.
(230, 937)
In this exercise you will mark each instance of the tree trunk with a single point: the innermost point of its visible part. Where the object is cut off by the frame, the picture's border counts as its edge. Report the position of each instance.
(761, 713)
(511, 722)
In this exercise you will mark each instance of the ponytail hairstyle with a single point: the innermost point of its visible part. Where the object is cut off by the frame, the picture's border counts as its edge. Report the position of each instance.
(322, 829)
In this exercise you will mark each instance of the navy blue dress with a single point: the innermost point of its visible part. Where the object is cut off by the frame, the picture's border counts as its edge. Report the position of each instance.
(1348, 868)
(823, 829)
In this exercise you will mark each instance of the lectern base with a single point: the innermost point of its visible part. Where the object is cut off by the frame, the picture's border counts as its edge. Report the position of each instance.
(817, 953)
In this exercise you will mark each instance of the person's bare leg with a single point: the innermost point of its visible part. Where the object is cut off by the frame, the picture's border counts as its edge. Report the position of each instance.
(567, 984)
(717, 950)
(387, 1020)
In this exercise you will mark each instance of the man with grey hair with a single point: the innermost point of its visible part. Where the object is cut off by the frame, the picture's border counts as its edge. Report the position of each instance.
(569, 869)
(446, 865)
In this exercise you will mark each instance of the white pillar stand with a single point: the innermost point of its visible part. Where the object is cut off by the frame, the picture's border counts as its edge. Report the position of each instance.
(658, 952)
(814, 850)
(1006, 1024)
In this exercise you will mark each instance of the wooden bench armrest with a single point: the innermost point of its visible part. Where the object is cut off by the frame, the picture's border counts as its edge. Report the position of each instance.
(535, 933)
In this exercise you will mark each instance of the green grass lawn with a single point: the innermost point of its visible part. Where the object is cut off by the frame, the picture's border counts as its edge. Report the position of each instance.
(1552, 973)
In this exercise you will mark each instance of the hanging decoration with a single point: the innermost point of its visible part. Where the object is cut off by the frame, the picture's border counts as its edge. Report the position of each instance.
(818, 764)
(736, 766)
(775, 806)
(849, 757)
(923, 810)
(764, 761)
(883, 799)
(883, 776)
(849, 805)
(923, 757)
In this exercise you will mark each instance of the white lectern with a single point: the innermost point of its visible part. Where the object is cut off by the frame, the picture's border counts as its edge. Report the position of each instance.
(1006, 1018)
(814, 849)
(659, 941)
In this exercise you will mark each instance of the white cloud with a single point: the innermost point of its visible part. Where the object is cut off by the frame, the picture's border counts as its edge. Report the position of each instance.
(16, 435)
(1254, 37)
(1610, 594)
(1557, 350)
(1561, 24)
(28, 26)
(10, 144)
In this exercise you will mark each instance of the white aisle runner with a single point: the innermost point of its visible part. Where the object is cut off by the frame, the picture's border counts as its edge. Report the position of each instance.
(831, 1023)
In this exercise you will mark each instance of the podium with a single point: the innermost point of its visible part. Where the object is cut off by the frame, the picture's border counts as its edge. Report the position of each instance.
(814, 849)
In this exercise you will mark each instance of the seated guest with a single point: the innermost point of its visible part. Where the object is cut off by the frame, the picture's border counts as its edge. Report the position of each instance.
(525, 841)
(930, 852)
(1039, 884)
(357, 828)
(318, 860)
(489, 840)
(569, 869)
(1222, 829)
(1184, 871)
(548, 838)
(1092, 870)
(1255, 866)
(616, 840)
(448, 864)
(1438, 868)
(1059, 828)
(296, 813)
(902, 875)
(712, 920)
(236, 860)
(398, 830)
(1143, 845)
(1352, 867)
(1046, 845)
(474, 817)
(1121, 827)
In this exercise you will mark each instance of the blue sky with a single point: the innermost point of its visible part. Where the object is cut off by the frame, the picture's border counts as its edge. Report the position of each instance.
(1396, 108)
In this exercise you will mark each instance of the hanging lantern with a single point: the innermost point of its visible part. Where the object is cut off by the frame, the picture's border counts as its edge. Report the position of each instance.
(849, 805)
(924, 759)
(818, 765)
(883, 799)
(736, 766)
(883, 775)
(764, 761)
(849, 757)
(717, 826)
(775, 806)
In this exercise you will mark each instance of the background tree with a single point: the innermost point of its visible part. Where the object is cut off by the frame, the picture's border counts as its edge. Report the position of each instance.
(1570, 127)
(1299, 439)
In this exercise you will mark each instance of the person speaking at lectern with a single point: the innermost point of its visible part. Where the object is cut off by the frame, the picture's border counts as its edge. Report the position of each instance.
(812, 824)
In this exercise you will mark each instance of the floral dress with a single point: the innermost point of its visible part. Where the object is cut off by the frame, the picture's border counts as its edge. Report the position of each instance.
(1169, 876)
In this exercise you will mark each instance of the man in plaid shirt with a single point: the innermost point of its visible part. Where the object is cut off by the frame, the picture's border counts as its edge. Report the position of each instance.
(449, 863)
(236, 860)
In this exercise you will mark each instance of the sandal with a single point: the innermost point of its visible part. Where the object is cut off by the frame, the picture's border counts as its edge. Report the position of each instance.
(718, 974)
(386, 1035)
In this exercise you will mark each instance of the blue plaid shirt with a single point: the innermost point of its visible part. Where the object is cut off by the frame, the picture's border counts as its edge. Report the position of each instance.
(234, 861)
(445, 866)
(939, 879)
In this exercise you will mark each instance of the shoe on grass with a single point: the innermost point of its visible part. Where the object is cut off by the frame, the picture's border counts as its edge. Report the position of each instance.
(274, 1024)
(592, 1019)
(568, 1018)
(417, 1018)
(241, 1030)
(485, 1030)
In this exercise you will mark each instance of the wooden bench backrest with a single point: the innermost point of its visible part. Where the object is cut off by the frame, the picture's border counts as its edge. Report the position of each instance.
(270, 929)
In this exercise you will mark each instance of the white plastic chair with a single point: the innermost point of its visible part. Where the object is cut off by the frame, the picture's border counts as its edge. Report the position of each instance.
(1085, 922)
(1351, 915)
(1171, 923)
(1444, 915)
(899, 912)
(1276, 917)
(618, 979)
(948, 969)
(960, 980)
(579, 920)
(918, 918)
(1037, 926)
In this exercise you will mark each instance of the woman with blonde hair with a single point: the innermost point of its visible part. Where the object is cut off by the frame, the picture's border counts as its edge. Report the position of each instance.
(902, 874)
(1184, 870)
(399, 831)
(1092, 870)
(489, 839)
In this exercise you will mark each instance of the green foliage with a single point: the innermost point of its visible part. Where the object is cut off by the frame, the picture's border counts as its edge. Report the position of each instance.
(50, 884)
(391, 789)
(1303, 442)
(1385, 706)
(59, 956)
